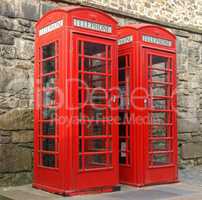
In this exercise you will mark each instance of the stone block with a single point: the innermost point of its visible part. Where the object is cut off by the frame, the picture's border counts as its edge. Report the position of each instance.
(194, 53)
(27, 9)
(22, 178)
(22, 136)
(192, 150)
(13, 81)
(17, 119)
(181, 43)
(13, 179)
(6, 23)
(6, 179)
(5, 133)
(7, 8)
(25, 49)
(199, 161)
(185, 137)
(5, 139)
(23, 26)
(196, 37)
(14, 158)
(46, 6)
(197, 138)
(7, 51)
(188, 125)
(191, 101)
(181, 33)
(24, 65)
(6, 37)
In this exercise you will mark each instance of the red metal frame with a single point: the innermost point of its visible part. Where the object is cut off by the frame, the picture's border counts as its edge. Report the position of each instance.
(69, 157)
(151, 47)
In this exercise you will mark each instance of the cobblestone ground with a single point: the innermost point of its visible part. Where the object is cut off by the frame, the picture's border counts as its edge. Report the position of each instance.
(192, 176)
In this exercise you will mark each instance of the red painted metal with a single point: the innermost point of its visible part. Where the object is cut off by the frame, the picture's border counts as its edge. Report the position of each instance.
(152, 108)
(75, 152)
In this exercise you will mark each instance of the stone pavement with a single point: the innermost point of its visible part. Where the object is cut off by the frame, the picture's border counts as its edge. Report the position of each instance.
(190, 188)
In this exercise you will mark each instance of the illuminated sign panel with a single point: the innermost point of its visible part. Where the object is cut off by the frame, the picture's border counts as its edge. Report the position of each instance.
(51, 27)
(159, 41)
(93, 26)
(125, 40)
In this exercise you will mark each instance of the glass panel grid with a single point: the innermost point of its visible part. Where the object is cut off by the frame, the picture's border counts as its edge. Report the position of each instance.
(124, 110)
(48, 133)
(95, 143)
(160, 113)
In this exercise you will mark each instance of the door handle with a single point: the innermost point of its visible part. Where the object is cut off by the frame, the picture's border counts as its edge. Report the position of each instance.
(145, 103)
(114, 99)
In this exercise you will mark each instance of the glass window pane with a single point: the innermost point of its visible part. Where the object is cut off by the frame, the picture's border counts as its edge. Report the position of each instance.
(80, 47)
(124, 117)
(49, 66)
(48, 128)
(96, 128)
(158, 131)
(159, 90)
(161, 104)
(159, 117)
(99, 97)
(95, 161)
(122, 61)
(49, 98)
(94, 49)
(80, 162)
(156, 75)
(94, 113)
(122, 130)
(94, 65)
(48, 113)
(159, 62)
(122, 75)
(160, 159)
(95, 145)
(80, 63)
(94, 81)
(49, 50)
(48, 160)
(48, 144)
(159, 145)
(49, 81)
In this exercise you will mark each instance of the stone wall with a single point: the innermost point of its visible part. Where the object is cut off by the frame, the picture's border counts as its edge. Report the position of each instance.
(184, 13)
(16, 91)
(17, 20)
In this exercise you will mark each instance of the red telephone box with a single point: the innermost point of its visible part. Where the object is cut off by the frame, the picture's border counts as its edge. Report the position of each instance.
(147, 106)
(76, 140)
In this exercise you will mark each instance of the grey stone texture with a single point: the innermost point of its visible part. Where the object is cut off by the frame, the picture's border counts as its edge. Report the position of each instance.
(17, 20)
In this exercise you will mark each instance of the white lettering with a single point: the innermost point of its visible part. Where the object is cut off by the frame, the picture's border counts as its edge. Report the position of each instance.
(158, 41)
(92, 26)
(50, 28)
(125, 40)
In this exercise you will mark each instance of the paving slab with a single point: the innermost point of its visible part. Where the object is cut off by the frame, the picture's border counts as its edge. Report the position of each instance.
(4, 198)
(190, 188)
(180, 191)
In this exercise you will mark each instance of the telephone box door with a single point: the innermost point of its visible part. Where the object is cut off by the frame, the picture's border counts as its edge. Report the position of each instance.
(160, 135)
(48, 167)
(126, 132)
(95, 148)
